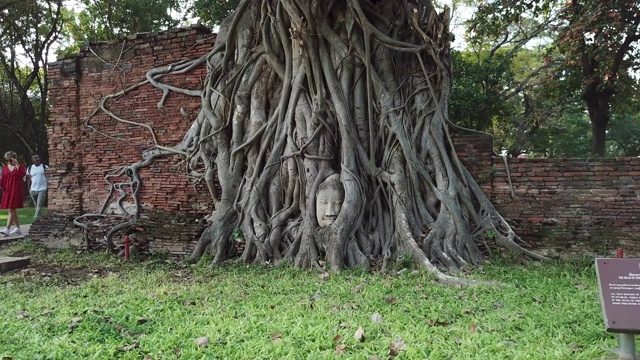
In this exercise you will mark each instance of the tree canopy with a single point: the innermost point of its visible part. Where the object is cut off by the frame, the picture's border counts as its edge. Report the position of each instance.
(597, 42)
(28, 30)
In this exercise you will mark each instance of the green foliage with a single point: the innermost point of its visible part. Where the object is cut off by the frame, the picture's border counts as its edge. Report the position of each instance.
(595, 43)
(212, 12)
(29, 29)
(110, 19)
(70, 305)
(477, 92)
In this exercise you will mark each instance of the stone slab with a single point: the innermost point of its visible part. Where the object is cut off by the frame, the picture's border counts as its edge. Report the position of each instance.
(12, 263)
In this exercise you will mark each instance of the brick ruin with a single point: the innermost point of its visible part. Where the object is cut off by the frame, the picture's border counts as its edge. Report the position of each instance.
(559, 206)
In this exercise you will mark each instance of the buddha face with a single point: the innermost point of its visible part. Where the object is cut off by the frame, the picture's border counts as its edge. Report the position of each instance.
(329, 200)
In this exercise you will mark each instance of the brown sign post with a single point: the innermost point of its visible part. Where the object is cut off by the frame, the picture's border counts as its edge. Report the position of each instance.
(619, 284)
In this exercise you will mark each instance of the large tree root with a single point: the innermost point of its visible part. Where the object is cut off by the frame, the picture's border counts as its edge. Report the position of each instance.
(298, 90)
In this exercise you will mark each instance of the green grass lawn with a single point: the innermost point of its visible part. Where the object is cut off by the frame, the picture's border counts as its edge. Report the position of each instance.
(72, 305)
(25, 215)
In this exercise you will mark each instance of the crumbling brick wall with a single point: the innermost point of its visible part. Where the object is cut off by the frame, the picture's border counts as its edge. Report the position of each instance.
(558, 206)
(85, 144)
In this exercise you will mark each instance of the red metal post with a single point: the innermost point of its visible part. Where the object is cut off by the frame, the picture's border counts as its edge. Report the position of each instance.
(620, 253)
(126, 247)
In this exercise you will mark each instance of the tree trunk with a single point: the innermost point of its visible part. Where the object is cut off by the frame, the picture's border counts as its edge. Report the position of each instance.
(598, 99)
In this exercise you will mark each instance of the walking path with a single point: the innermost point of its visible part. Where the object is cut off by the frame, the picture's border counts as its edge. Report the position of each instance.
(13, 263)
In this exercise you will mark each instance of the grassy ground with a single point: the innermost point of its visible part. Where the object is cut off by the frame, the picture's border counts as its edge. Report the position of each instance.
(25, 215)
(70, 305)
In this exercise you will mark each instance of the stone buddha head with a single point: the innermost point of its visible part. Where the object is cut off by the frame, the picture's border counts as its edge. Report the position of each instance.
(329, 199)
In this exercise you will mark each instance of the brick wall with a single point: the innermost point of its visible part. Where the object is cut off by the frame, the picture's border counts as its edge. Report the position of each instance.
(84, 146)
(561, 206)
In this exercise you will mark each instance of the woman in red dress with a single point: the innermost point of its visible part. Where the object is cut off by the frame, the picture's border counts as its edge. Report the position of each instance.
(12, 195)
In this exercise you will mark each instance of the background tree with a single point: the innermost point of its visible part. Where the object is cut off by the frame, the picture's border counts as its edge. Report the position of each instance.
(109, 19)
(499, 83)
(598, 40)
(212, 12)
(28, 30)
(298, 91)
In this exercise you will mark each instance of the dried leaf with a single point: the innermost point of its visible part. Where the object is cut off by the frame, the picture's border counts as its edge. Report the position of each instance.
(359, 335)
(438, 322)
(396, 346)
(147, 357)
(337, 339)
(276, 338)
(340, 349)
(118, 327)
(357, 289)
(20, 314)
(324, 276)
(473, 328)
(467, 311)
(189, 303)
(202, 342)
(74, 322)
(345, 324)
(143, 320)
(391, 300)
(130, 347)
(376, 318)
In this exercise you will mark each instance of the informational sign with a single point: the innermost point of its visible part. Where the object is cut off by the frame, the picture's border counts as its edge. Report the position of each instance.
(619, 283)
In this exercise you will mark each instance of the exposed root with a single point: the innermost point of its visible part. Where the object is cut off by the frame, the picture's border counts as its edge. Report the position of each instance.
(298, 90)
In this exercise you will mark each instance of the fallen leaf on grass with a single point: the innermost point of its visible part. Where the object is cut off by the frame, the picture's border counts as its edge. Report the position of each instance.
(359, 335)
(345, 324)
(340, 349)
(337, 338)
(473, 328)
(324, 276)
(143, 320)
(391, 300)
(74, 322)
(276, 338)
(130, 347)
(376, 318)
(21, 314)
(396, 346)
(432, 322)
(147, 357)
(357, 289)
(189, 302)
(202, 342)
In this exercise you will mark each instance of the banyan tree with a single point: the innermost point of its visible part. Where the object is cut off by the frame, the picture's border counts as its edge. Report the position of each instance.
(324, 141)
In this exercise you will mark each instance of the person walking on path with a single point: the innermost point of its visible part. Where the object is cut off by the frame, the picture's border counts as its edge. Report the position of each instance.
(12, 195)
(37, 180)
